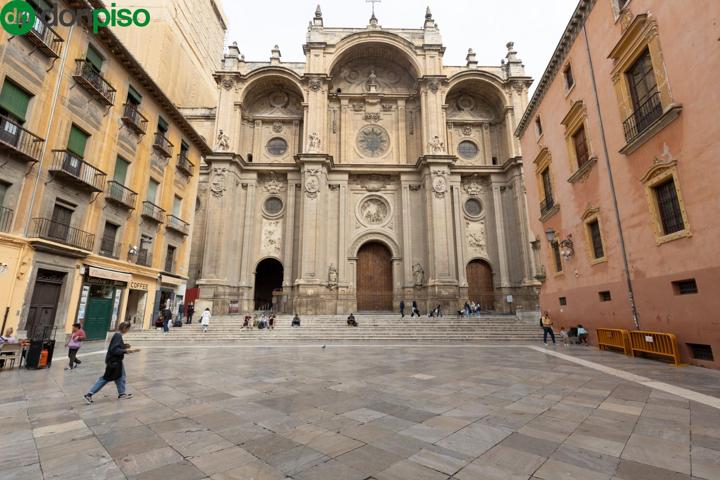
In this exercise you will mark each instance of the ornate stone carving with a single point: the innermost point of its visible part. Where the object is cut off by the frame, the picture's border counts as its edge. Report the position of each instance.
(418, 275)
(387, 107)
(374, 183)
(332, 277)
(277, 127)
(312, 182)
(439, 182)
(358, 106)
(473, 187)
(271, 238)
(373, 141)
(476, 238)
(372, 117)
(227, 82)
(334, 186)
(374, 211)
(436, 145)
(217, 184)
(315, 84)
(467, 130)
(272, 185)
(434, 86)
(314, 143)
(223, 142)
(414, 187)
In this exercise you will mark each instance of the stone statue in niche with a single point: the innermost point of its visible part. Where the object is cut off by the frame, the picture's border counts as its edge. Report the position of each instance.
(418, 274)
(372, 83)
(436, 145)
(332, 277)
(223, 142)
(314, 143)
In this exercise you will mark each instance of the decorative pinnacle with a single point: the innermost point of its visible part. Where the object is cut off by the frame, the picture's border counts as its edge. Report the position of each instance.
(428, 13)
(318, 12)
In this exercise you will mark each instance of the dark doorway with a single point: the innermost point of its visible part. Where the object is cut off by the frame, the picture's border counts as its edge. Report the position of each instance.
(268, 277)
(374, 278)
(480, 284)
(43, 306)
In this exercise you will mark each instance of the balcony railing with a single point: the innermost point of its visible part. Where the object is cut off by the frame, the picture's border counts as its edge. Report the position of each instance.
(175, 223)
(163, 145)
(68, 166)
(110, 248)
(184, 164)
(134, 119)
(19, 141)
(91, 80)
(649, 111)
(61, 233)
(6, 219)
(144, 258)
(546, 205)
(120, 195)
(44, 38)
(152, 212)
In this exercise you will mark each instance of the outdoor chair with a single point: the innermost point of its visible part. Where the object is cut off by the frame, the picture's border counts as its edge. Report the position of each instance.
(9, 353)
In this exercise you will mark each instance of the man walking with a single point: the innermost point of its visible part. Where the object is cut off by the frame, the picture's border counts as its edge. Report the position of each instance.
(546, 323)
(190, 312)
(402, 308)
(166, 317)
(414, 310)
(181, 312)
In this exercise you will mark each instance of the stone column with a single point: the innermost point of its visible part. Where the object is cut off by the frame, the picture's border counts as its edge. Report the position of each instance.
(288, 236)
(344, 130)
(257, 141)
(402, 136)
(247, 242)
(441, 251)
(500, 231)
(342, 228)
(314, 194)
(459, 233)
(487, 144)
(406, 234)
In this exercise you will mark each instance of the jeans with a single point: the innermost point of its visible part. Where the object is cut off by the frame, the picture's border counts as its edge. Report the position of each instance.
(547, 330)
(101, 382)
(165, 325)
(189, 318)
(72, 352)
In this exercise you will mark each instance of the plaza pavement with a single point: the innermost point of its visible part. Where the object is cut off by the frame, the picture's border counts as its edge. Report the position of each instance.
(417, 412)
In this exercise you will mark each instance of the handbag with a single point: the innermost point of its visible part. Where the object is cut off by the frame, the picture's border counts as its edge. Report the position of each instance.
(113, 370)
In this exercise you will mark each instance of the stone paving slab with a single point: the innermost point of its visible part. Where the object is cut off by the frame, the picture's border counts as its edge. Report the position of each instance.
(364, 413)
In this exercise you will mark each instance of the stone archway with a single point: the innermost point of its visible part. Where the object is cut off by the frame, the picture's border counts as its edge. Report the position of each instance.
(268, 277)
(480, 284)
(374, 278)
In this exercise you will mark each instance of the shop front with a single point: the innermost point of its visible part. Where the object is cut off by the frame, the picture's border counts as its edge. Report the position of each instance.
(170, 295)
(140, 299)
(100, 301)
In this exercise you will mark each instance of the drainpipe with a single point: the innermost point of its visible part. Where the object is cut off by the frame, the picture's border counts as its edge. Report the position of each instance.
(58, 82)
(613, 195)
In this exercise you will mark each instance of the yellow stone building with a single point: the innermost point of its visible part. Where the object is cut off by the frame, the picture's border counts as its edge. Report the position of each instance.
(98, 181)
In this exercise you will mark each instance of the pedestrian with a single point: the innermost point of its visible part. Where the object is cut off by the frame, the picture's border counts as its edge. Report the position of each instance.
(190, 312)
(181, 312)
(205, 320)
(564, 336)
(351, 321)
(414, 310)
(73, 345)
(402, 308)
(582, 335)
(114, 369)
(546, 323)
(295, 321)
(166, 317)
(271, 321)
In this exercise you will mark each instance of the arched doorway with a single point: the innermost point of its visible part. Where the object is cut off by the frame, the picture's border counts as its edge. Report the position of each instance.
(374, 278)
(480, 284)
(268, 277)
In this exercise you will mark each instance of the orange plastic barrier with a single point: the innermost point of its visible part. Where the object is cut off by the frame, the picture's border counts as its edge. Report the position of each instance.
(613, 338)
(664, 344)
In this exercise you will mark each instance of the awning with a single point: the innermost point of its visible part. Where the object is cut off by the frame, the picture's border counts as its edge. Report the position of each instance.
(172, 280)
(109, 274)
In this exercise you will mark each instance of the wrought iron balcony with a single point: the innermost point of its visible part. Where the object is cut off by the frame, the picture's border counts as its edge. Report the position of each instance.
(6, 219)
(18, 141)
(546, 205)
(133, 119)
(144, 258)
(152, 212)
(163, 145)
(91, 80)
(48, 229)
(184, 164)
(649, 111)
(175, 223)
(119, 194)
(44, 38)
(73, 169)
(110, 248)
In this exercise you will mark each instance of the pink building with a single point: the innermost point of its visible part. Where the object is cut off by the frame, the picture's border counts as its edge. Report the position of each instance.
(621, 142)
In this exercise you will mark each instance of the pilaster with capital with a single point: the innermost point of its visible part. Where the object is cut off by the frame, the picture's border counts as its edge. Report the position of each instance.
(248, 228)
(438, 198)
(312, 203)
(503, 280)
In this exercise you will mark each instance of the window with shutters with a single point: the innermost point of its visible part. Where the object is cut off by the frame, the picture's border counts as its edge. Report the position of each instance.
(548, 207)
(579, 146)
(593, 236)
(152, 191)
(14, 101)
(77, 141)
(133, 96)
(94, 58)
(569, 78)
(177, 206)
(121, 169)
(108, 246)
(557, 256)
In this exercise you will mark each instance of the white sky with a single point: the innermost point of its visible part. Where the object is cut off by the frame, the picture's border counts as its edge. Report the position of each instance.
(485, 25)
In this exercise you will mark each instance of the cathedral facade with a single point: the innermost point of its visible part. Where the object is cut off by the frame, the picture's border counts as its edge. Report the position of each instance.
(367, 175)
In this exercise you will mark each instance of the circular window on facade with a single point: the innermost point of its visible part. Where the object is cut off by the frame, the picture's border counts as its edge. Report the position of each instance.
(277, 146)
(467, 149)
(273, 205)
(373, 141)
(473, 207)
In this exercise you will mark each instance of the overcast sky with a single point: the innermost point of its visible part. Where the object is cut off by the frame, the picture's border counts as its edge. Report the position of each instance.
(485, 25)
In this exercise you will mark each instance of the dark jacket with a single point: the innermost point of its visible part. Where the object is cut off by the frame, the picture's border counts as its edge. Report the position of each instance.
(167, 314)
(114, 357)
(402, 305)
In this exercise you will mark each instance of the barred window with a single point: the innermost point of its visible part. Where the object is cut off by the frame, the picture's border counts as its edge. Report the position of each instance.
(669, 207)
(556, 256)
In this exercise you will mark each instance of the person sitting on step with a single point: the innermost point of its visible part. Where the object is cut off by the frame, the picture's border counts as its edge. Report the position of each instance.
(351, 321)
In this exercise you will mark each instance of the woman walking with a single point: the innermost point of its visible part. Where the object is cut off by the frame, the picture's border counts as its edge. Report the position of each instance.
(205, 320)
(114, 369)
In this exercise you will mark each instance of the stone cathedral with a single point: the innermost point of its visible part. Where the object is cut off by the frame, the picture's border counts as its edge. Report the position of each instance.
(368, 174)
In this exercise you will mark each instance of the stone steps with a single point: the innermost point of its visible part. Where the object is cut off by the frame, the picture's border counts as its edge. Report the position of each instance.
(374, 328)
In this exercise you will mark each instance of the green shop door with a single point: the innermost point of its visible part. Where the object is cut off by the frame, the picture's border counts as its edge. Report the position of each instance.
(99, 311)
